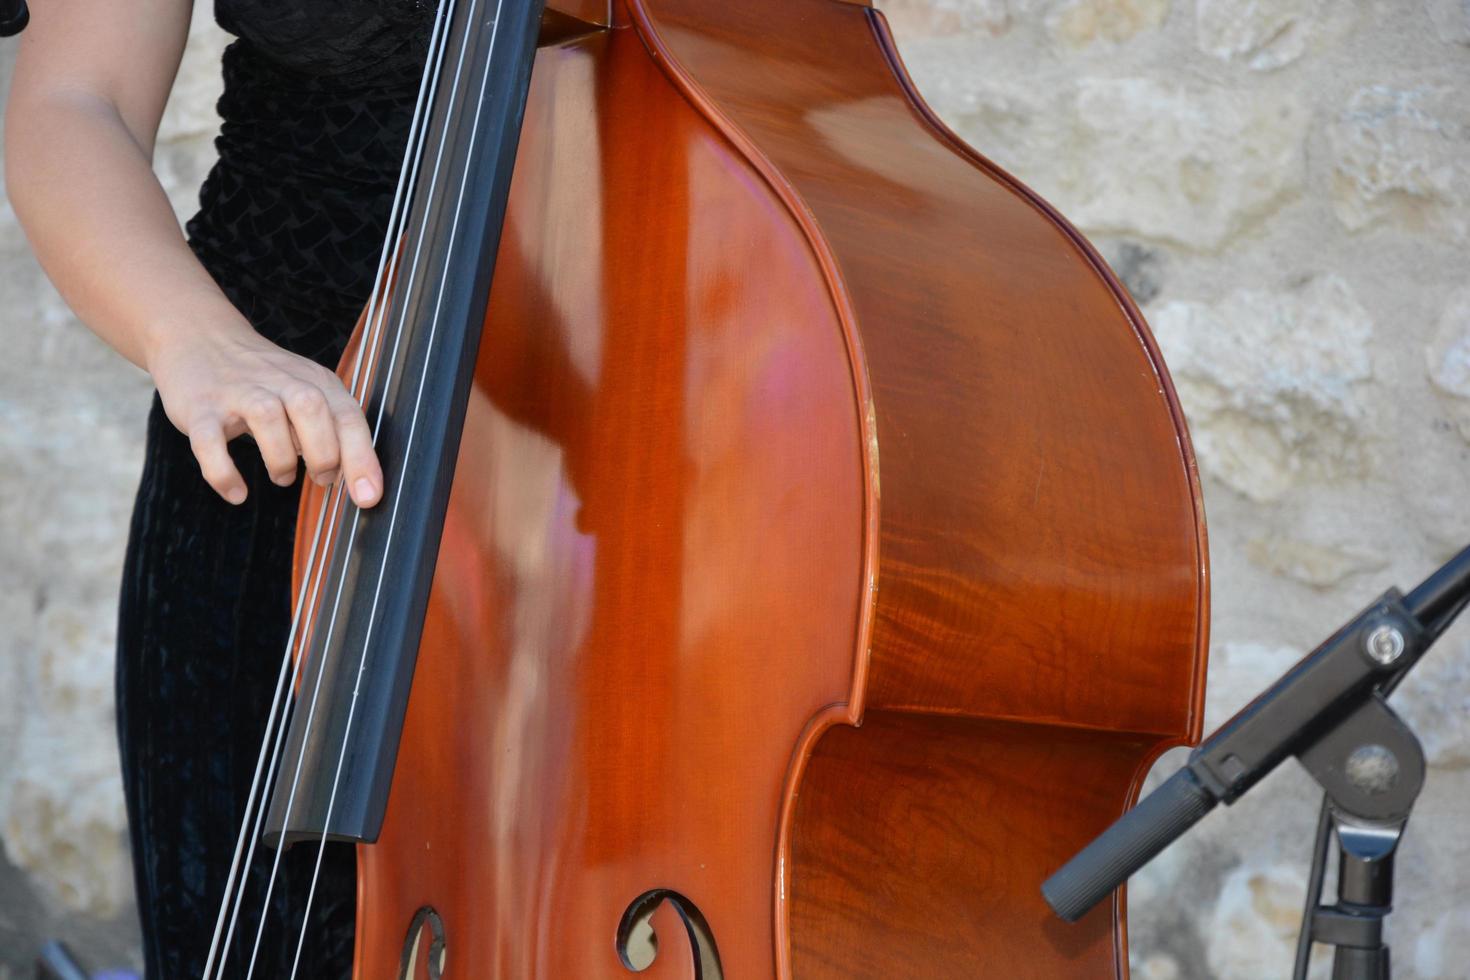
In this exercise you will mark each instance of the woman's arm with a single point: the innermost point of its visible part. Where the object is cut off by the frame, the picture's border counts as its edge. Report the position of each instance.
(89, 88)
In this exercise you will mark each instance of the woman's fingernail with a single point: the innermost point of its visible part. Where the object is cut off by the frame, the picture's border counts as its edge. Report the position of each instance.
(363, 490)
(236, 495)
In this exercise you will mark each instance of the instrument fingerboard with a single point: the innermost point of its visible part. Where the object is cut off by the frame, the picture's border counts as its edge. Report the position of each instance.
(359, 656)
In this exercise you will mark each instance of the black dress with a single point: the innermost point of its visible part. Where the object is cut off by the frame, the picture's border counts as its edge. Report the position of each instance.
(317, 103)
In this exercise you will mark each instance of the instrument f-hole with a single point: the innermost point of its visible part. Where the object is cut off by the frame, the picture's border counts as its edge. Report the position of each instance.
(638, 943)
(423, 947)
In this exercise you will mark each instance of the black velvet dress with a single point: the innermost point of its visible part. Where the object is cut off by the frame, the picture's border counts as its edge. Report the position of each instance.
(317, 104)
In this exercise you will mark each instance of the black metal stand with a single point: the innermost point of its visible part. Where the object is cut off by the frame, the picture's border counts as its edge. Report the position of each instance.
(1367, 805)
(1368, 835)
(1364, 898)
(1330, 712)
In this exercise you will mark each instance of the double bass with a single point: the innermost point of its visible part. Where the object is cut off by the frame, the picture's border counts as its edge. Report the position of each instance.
(792, 548)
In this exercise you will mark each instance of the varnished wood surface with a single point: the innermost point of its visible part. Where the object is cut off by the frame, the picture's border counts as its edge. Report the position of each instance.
(1041, 542)
(789, 407)
(918, 838)
(1042, 547)
(650, 572)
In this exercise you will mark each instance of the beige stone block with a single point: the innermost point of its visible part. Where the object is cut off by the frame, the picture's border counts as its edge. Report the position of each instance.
(1401, 157)
(1252, 931)
(61, 815)
(1157, 966)
(1318, 564)
(1447, 357)
(62, 827)
(1078, 23)
(1452, 23)
(1270, 381)
(1190, 165)
(1448, 353)
(1139, 157)
(1435, 701)
(1261, 34)
(912, 19)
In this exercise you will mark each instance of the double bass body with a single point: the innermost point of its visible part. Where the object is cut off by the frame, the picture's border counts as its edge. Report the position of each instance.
(790, 413)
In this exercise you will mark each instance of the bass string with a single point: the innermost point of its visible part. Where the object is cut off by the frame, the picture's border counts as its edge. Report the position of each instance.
(233, 899)
(366, 358)
(447, 12)
(414, 266)
(335, 504)
(490, 54)
(230, 904)
(336, 604)
(276, 739)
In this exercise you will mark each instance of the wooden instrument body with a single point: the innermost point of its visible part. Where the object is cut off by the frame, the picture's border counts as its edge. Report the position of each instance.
(791, 413)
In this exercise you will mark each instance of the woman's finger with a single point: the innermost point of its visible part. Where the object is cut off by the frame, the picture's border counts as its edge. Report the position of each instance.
(207, 439)
(265, 416)
(359, 461)
(314, 429)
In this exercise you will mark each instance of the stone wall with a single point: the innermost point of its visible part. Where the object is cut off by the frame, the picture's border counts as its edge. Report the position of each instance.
(1283, 184)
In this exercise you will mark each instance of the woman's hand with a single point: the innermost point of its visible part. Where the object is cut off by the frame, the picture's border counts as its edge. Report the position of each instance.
(220, 382)
(88, 90)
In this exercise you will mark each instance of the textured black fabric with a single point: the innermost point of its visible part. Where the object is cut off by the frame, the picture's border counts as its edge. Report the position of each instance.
(317, 103)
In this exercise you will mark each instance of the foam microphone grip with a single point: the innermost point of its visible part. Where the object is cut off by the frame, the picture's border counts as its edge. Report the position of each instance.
(1129, 844)
(13, 17)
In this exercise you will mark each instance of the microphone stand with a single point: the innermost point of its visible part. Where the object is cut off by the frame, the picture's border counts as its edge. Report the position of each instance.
(1330, 712)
